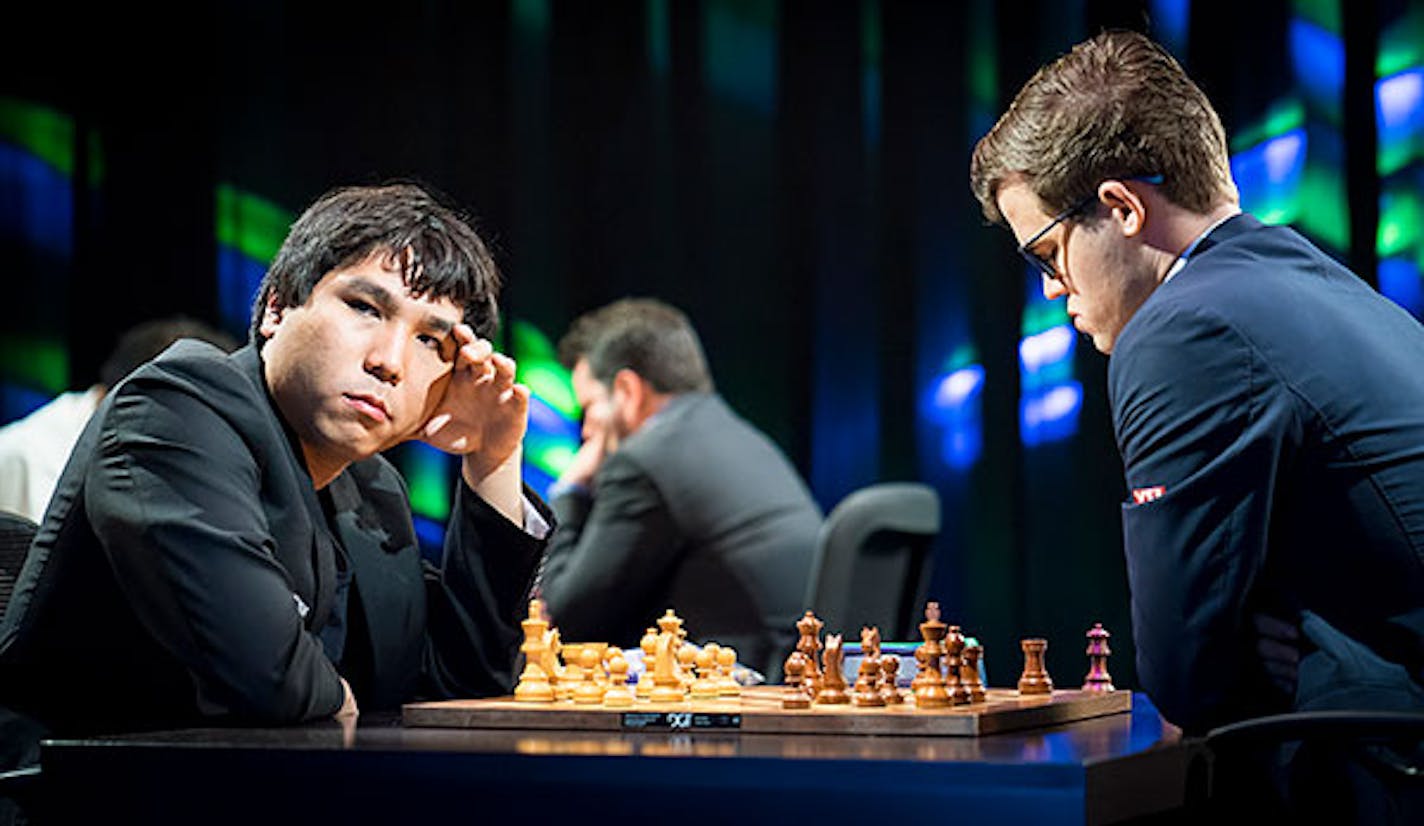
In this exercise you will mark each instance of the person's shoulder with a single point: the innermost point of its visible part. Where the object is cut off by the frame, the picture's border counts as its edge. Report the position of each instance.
(198, 367)
(1172, 331)
(200, 384)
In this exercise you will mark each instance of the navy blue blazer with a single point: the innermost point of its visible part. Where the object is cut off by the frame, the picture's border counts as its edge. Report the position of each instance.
(1269, 407)
(186, 569)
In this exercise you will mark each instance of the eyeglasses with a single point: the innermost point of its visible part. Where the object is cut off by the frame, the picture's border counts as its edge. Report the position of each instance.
(1047, 267)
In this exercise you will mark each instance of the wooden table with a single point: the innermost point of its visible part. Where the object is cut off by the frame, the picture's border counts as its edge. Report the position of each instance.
(1100, 770)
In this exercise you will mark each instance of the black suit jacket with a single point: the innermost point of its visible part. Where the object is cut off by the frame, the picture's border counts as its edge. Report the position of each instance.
(1269, 407)
(697, 511)
(186, 568)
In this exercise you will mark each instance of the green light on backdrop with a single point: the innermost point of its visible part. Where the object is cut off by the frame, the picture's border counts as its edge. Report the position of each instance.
(1284, 116)
(1328, 218)
(38, 363)
(963, 356)
(1043, 315)
(1402, 44)
(531, 17)
(870, 36)
(253, 226)
(550, 382)
(549, 454)
(539, 368)
(39, 130)
(427, 474)
(659, 41)
(1323, 13)
(983, 62)
(739, 51)
(1401, 216)
(96, 159)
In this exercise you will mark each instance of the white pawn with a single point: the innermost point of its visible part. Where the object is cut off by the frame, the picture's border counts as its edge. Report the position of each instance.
(618, 694)
(726, 685)
(589, 691)
(705, 686)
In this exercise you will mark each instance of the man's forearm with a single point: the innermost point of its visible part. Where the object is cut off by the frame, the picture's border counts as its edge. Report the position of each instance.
(503, 488)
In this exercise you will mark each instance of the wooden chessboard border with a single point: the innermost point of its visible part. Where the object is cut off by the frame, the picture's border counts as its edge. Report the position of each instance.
(759, 712)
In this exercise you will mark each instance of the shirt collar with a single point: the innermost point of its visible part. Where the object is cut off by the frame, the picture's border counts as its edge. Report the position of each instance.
(1191, 248)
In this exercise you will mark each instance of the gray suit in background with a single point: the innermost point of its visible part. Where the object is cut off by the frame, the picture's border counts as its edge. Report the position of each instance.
(697, 511)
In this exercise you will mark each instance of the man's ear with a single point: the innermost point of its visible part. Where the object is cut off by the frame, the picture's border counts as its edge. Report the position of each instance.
(631, 385)
(272, 315)
(1127, 209)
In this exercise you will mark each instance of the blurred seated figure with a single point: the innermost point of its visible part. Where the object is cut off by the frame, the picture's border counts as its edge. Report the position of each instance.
(673, 500)
(33, 450)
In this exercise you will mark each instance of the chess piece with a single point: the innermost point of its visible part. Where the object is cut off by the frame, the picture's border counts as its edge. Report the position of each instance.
(969, 672)
(605, 677)
(571, 676)
(867, 680)
(800, 659)
(618, 694)
(726, 661)
(930, 693)
(1035, 679)
(534, 684)
(649, 645)
(928, 685)
(686, 660)
(795, 696)
(889, 673)
(867, 685)
(549, 658)
(810, 647)
(1098, 678)
(833, 682)
(667, 684)
(588, 691)
(670, 625)
(954, 660)
(705, 686)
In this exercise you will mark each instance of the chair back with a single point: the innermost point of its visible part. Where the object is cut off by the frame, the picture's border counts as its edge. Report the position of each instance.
(1332, 766)
(872, 559)
(16, 533)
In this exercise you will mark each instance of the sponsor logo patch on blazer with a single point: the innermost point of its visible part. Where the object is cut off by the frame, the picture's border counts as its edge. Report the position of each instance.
(1143, 495)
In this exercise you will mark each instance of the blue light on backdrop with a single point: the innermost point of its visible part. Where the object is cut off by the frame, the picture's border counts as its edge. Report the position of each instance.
(1400, 280)
(1171, 22)
(1268, 176)
(1318, 62)
(953, 404)
(1050, 400)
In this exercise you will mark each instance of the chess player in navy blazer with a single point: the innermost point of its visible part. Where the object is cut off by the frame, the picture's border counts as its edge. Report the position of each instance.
(1268, 404)
(227, 544)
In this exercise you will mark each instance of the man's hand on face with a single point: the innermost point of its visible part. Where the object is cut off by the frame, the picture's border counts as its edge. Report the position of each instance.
(599, 441)
(483, 414)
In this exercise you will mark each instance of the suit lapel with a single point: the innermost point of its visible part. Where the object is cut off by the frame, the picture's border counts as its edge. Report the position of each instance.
(304, 544)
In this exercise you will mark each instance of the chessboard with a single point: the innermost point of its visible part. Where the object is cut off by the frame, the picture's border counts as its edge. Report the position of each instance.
(587, 687)
(759, 711)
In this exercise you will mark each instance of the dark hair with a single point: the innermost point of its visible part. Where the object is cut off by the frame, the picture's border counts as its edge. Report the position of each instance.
(644, 335)
(436, 250)
(579, 339)
(144, 341)
(1117, 106)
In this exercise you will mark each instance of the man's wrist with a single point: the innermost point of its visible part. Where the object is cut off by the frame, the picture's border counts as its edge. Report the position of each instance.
(502, 487)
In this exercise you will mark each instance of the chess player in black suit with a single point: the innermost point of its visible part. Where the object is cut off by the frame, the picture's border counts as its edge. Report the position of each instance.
(226, 544)
(1268, 404)
(673, 500)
